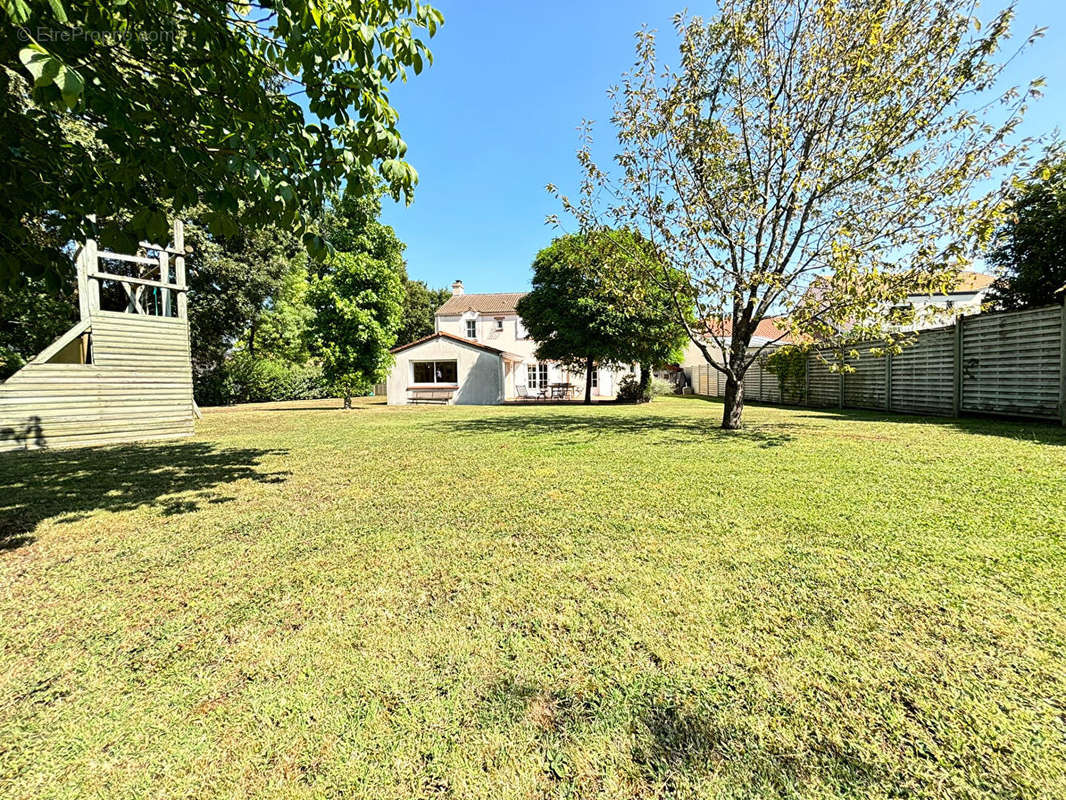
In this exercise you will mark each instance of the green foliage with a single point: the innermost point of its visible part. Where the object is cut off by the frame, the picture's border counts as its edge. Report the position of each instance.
(32, 316)
(244, 378)
(659, 387)
(1029, 251)
(283, 330)
(188, 102)
(789, 364)
(587, 303)
(358, 303)
(232, 279)
(419, 306)
(351, 225)
(631, 389)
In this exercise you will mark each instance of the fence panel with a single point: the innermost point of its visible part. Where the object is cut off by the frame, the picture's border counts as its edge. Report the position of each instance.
(923, 375)
(823, 385)
(1010, 363)
(866, 386)
(769, 383)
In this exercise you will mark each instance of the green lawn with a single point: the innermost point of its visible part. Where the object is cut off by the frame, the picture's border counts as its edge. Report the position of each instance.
(537, 602)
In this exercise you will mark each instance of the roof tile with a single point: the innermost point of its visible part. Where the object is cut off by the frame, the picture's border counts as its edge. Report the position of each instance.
(503, 303)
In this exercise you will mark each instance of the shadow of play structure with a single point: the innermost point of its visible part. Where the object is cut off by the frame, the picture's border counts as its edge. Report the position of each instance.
(123, 373)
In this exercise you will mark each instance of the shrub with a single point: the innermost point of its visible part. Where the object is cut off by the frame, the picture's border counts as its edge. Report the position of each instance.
(789, 364)
(629, 390)
(658, 387)
(244, 379)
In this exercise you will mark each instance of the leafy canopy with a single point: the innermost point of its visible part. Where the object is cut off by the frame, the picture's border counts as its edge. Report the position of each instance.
(587, 302)
(803, 141)
(419, 307)
(358, 303)
(1029, 250)
(111, 106)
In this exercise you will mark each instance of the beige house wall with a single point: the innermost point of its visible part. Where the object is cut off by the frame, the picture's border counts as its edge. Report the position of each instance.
(510, 339)
(480, 373)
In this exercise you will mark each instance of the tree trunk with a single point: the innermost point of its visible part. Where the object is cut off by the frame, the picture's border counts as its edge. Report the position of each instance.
(733, 409)
(251, 339)
(589, 366)
(645, 382)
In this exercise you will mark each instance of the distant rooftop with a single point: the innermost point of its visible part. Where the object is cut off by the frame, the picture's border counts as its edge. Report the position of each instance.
(502, 303)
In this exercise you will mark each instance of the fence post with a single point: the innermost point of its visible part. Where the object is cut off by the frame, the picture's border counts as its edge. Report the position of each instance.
(841, 387)
(956, 405)
(1062, 368)
(807, 379)
(179, 269)
(888, 381)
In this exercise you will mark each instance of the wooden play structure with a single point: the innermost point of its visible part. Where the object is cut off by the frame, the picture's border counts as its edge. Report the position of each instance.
(123, 373)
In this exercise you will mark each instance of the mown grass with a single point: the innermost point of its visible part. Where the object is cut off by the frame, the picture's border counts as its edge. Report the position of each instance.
(618, 602)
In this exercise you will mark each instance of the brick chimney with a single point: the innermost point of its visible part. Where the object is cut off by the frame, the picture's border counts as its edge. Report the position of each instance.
(457, 288)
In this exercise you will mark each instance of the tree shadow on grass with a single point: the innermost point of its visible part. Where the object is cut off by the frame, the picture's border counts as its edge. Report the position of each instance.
(71, 484)
(677, 741)
(680, 738)
(1018, 428)
(564, 430)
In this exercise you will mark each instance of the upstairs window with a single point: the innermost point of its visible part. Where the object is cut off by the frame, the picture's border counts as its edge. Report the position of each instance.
(499, 323)
(471, 329)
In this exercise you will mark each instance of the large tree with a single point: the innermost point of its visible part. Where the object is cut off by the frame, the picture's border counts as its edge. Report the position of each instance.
(232, 279)
(137, 105)
(808, 139)
(32, 316)
(419, 308)
(1029, 251)
(589, 306)
(358, 303)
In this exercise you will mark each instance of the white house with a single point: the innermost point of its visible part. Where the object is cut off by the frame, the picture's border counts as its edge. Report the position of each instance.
(965, 297)
(481, 354)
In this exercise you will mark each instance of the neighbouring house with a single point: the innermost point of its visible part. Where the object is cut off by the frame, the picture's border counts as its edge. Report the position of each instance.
(768, 332)
(966, 297)
(481, 354)
(935, 310)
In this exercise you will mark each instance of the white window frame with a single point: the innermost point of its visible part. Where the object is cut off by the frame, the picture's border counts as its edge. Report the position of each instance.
(434, 362)
(471, 323)
(499, 323)
(595, 380)
(537, 375)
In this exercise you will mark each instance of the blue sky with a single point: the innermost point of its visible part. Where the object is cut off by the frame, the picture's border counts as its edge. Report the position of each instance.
(495, 119)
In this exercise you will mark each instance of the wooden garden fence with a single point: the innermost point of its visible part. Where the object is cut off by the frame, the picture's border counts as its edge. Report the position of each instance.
(1005, 364)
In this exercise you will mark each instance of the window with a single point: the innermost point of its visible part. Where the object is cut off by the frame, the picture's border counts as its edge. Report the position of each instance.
(435, 371)
(537, 375)
(499, 323)
(471, 329)
(595, 379)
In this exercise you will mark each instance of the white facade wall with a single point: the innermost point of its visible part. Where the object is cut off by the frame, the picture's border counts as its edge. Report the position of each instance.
(509, 335)
(480, 373)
